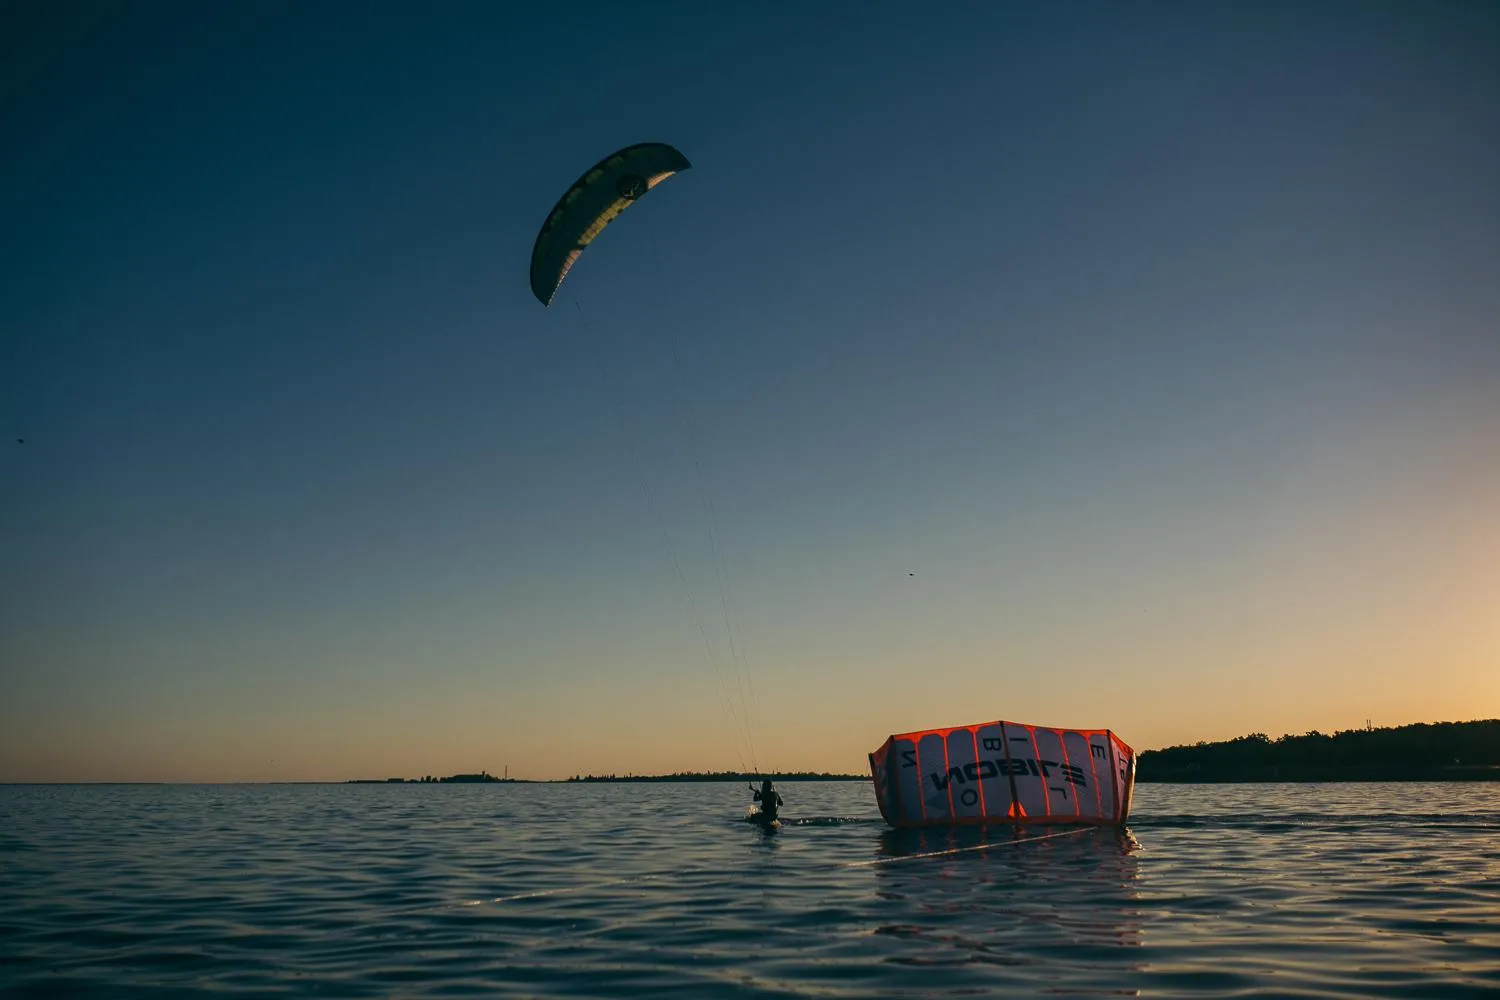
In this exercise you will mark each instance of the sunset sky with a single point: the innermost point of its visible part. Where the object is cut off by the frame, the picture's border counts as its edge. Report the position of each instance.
(1128, 366)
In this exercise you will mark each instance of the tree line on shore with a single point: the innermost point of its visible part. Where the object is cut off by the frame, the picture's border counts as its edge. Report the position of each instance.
(484, 777)
(1423, 751)
(723, 776)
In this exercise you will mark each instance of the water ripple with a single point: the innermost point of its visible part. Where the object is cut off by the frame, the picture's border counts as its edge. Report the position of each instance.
(585, 891)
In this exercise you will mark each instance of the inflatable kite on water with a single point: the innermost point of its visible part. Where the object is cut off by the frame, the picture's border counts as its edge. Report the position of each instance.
(1003, 772)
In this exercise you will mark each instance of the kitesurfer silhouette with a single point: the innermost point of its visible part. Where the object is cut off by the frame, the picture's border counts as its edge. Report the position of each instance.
(769, 799)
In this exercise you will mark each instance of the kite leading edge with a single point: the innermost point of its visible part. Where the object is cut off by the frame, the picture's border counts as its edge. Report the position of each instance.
(594, 201)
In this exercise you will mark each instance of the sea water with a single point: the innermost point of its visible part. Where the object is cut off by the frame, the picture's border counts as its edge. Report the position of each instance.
(661, 890)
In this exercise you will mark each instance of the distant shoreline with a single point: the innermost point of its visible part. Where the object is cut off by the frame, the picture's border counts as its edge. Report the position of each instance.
(1442, 751)
(1293, 776)
(1421, 752)
(718, 776)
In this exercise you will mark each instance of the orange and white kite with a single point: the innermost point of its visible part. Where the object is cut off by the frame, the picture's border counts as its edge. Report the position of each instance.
(1003, 772)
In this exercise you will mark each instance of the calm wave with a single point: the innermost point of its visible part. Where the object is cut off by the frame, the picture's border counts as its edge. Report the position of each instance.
(1354, 890)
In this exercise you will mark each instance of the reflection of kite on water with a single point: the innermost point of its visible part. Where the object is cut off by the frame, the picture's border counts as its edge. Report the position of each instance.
(1004, 772)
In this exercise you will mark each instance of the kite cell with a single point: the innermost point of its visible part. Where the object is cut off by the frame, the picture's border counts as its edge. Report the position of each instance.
(1003, 772)
(594, 201)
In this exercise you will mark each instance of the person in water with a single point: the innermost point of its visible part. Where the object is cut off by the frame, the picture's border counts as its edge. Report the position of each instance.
(769, 799)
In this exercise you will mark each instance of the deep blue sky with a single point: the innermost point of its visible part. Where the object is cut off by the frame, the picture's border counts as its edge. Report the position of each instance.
(1158, 340)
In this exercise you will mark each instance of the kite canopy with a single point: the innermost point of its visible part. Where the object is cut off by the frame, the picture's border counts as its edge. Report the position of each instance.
(1005, 772)
(593, 202)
